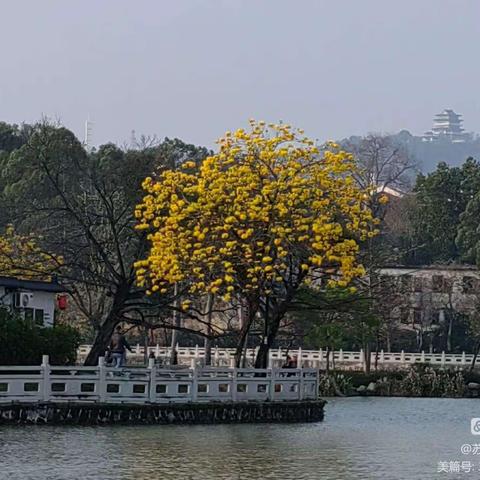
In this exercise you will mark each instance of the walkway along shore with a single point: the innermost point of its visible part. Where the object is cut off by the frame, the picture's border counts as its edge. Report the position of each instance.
(224, 357)
(101, 394)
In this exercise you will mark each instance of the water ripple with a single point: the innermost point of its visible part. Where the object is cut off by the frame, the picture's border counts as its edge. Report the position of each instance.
(362, 438)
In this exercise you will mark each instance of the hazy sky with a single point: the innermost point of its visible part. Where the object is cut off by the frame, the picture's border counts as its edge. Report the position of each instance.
(195, 68)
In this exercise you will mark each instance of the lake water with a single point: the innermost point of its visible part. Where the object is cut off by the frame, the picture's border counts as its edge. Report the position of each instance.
(360, 438)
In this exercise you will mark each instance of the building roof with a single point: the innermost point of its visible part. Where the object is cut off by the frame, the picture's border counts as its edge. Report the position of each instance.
(446, 124)
(394, 192)
(15, 283)
(446, 267)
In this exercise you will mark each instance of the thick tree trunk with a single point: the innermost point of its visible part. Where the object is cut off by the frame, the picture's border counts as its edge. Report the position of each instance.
(245, 328)
(105, 332)
(208, 339)
(262, 356)
(449, 333)
(102, 340)
(475, 355)
(275, 314)
(241, 341)
(176, 324)
(145, 346)
(377, 348)
(367, 357)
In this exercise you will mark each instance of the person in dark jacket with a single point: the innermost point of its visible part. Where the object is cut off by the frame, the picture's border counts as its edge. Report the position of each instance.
(118, 347)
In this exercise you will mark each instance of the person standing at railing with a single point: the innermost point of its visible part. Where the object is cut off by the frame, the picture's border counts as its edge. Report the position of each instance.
(118, 348)
(291, 362)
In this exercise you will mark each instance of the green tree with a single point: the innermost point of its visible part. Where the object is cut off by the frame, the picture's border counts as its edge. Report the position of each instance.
(82, 206)
(336, 318)
(468, 234)
(441, 198)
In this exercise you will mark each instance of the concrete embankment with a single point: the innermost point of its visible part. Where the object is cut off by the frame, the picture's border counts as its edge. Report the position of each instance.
(160, 414)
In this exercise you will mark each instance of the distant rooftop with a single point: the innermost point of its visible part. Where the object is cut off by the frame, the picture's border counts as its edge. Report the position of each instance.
(15, 283)
(447, 125)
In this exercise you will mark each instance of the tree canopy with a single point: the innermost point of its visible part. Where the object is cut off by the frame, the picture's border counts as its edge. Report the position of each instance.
(440, 199)
(21, 257)
(266, 213)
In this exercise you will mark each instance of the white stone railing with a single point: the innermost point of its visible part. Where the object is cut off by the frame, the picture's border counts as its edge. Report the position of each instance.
(306, 358)
(153, 384)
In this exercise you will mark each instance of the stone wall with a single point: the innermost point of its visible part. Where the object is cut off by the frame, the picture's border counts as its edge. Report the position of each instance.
(189, 413)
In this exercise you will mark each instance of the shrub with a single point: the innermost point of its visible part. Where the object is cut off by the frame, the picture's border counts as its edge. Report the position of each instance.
(24, 344)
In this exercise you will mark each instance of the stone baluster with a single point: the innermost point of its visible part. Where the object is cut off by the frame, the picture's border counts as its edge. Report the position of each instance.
(46, 378)
(102, 380)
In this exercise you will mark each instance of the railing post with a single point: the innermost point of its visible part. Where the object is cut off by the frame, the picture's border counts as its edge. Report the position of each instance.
(422, 357)
(300, 384)
(102, 385)
(233, 383)
(464, 358)
(216, 356)
(279, 357)
(194, 383)
(402, 357)
(442, 361)
(271, 387)
(320, 358)
(153, 377)
(46, 378)
(340, 355)
(382, 356)
(168, 355)
(299, 357)
(362, 356)
(157, 350)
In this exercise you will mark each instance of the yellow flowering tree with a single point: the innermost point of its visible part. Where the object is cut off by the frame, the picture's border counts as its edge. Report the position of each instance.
(267, 213)
(21, 257)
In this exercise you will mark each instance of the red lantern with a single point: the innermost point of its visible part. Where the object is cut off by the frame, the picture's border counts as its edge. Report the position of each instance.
(62, 302)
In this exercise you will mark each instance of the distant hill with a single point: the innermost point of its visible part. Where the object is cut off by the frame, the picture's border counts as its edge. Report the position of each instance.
(429, 154)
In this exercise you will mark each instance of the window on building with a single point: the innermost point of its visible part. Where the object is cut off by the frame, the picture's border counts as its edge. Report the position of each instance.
(28, 315)
(438, 283)
(418, 284)
(417, 316)
(435, 317)
(386, 282)
(405, 315)
(469, 284)
(406, 283)
(39, 317)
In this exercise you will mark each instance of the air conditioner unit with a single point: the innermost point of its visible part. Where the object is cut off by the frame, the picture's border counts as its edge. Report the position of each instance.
(22, 299)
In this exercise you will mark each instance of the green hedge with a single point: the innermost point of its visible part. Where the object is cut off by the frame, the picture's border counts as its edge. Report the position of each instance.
(22, 343)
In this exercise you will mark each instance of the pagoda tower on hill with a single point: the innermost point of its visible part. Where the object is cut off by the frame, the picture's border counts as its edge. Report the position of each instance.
(446, 126)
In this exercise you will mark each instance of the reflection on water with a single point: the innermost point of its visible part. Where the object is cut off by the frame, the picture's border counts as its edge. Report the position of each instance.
(361, 438)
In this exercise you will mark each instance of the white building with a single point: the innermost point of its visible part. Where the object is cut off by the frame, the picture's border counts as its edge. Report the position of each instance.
(426, 300)
(448, 126)
(34, 300)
